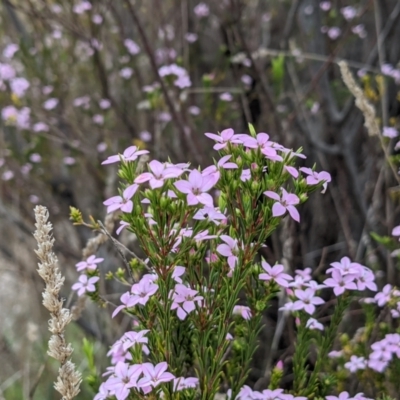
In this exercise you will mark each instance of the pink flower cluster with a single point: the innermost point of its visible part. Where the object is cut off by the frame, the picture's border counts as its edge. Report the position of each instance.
(345, 275)
(141, 377)
(246, 393)
(383, 352)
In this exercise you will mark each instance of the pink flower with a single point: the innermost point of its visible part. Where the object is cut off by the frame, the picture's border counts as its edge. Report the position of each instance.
(325, 5)
(98, 119)
(211, 214)
(128, 300)
(81, 7)
(140, 294)
(185, 383)
(313, 324)
(227, 136)
(314, 178)
(104, 104)
(355, 364)
(124, 202)
(125, 377)
(196, 188)
(264, 144)
(390, 132)
(97, 19)
(307, 300)
(10, 50)
(126, 72)
(132, 338)
(384, 297)
(246, 175)
(19, 86)
(340, 282)
(85, 284)
(50, 104)
(40, 127)
(381, 356)
(226, 96)
(144, 289)
(130, 154)
(269, 394)
(244, 311)
(202, 10)
(348, 12)
(345, 266)
(396, 231)
(90, 263)
(103, 393)
(191, 37)
(7, 72)
(222, 163)
(230, 250)
(292, 171)
(284, 203)
(158, 173)
(153, 376)
(131, 46)
(342, 396)
(334, 32)
(145, 136)
(184, 300)
(178, 272)
(275, 273)
(122, 225)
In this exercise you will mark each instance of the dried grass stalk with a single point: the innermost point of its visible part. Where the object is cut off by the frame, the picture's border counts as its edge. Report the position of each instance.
(362, 103)
(69, 379)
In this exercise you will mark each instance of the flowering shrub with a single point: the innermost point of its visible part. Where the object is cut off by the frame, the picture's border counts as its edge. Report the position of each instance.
(202, 232)
(81, 80)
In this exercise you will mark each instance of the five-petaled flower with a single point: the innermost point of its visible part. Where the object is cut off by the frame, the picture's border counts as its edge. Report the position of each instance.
(284, 203)
(275, 273)
(124, 378)
(314, 177)
(262, 142)
(85, 284)
(184, 300)
(130, 154)
(153, 376)
(124, 202)
(340, 282)
(90, 263)
(158, 173)
(227, 136)
(307, 300)
(196, 187)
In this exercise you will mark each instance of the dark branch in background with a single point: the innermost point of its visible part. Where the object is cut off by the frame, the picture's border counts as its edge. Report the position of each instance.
(17, 22)
(384, 33)
(150, 54)
(106, 92)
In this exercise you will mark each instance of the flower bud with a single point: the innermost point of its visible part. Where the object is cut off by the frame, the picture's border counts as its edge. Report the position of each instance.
(164, 203)
(303, 197)
(222, 201)
(254, 166)
(255, 186)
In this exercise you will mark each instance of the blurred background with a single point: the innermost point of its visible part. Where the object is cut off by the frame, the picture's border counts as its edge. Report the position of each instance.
(81, 80)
